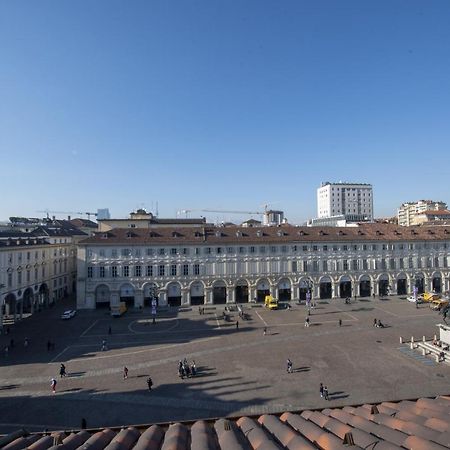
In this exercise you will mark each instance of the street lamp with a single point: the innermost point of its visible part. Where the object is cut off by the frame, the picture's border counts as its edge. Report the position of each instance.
(309, 286)
(1, 308)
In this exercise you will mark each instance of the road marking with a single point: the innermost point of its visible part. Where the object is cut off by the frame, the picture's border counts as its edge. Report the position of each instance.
(264, 322)
(121, 355)
(351, 315)
(85, 331)
(218, 324)
(149, 332)
(58, 355)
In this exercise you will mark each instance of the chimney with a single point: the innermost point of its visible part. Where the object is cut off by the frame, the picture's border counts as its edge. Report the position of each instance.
(53, 218)
(68, 218)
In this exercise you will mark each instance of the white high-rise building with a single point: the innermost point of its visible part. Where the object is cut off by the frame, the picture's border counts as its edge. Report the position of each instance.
(353, 201)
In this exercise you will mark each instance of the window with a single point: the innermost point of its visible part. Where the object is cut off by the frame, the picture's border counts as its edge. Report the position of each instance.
(305, 266)
(383, 264)
(230, 249)
(241, 249)
(137, 271)
(149, 271)
(364, 264)
(345, 264)
(294, 248)
(355, 248)
(196, 269)
(114, 253)
(173, 251)
(28, 276)
(283, 249)
(90, 271)
(35, 274)
(392, 263)
(173, 270)
(305, 248)
(185, 270)
(207, 250)
(162, 251)
(262, 249)
(137, 252)
(354, 264)
(325, 266)
(125, 271)
(325, 248)
(101, 272)
(273, 249)
(114, 271)
(315, 266)
(335, 248)
(294, 266)
(219, 250)
(197, 251)
(252, 249)
(28, 256)
(161, 270)
(43, 271)
(9, 279)
(185, 251)
(149, 252)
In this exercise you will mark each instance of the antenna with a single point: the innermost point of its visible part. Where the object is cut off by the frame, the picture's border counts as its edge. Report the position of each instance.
(156, 209)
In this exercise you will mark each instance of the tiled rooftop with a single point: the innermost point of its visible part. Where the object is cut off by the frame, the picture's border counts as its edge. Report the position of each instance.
(423, 424)
(256, 235)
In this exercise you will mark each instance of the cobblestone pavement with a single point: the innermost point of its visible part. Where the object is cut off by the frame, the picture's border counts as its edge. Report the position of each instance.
(240, 371)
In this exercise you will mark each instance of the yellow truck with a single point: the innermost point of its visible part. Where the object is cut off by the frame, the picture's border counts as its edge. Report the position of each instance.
(430, 296)
(118, 310)
(271, 302)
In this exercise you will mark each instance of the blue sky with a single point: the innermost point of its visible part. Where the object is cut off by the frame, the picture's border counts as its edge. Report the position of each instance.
(221, 104)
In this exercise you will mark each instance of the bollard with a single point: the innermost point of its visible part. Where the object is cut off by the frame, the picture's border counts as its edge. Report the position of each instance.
(435, 338)
(424, 351)
(401, 340)
(423, 339)
(412, 342)
(438, 358)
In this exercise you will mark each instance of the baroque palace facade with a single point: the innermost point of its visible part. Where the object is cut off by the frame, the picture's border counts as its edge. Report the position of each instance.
(217, 265)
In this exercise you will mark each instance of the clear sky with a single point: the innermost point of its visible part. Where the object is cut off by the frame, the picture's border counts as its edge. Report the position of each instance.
(226, 104)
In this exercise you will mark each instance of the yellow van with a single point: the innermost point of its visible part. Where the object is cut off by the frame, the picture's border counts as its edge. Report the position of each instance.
(270, 302)
(430, 296)
(438, 304)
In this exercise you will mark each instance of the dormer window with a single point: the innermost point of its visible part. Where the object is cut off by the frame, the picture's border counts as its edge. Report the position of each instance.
(259, 233)
(280, 233)
(218, 233)
(238, 233)
(197, 234)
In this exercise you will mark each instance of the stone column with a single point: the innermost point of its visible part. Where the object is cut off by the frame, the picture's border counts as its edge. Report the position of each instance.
(139, 298)
(208, 296)
(274, 291)
(295, 292)
(251, 293)
(231, 295)
(335, 289)
(185, 297)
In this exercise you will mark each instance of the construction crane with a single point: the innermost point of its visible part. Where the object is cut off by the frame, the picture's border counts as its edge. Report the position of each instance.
(48, 212)
(259, 213)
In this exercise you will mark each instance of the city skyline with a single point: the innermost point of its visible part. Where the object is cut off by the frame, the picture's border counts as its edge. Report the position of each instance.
(230, 106)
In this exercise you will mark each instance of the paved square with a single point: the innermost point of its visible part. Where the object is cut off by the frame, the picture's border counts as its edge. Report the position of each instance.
(240, 371)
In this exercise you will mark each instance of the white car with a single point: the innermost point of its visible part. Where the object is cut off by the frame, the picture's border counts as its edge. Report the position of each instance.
(68, 314)
(412, 299)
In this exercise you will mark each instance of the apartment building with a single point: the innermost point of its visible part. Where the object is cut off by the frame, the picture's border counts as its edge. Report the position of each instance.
(352, 202)
(413, 213)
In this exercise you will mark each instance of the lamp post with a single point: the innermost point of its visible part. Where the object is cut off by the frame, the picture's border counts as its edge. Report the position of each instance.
(309, 286)
(2, 301)
(154, 296)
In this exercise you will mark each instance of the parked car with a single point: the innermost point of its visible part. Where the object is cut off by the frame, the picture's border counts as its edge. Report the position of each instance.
(430, 296)
(412, 299)
(68, 314)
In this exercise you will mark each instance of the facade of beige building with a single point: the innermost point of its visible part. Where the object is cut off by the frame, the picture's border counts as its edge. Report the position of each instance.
(411, 213)
(218, 265)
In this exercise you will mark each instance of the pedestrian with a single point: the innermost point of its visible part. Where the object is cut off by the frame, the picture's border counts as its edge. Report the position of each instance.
(53, 385)
(340, 322)
(325, 393)
(321, 390)
(265, 331)
(25, 342)
(149, 383)
(109, 330)
(307, 322)
(83, 423)
(125, 373)
(289, 366)
(6, 351)
(237, 324)
(375, 322)
(193, 368)
(62, 371)
(104, 347)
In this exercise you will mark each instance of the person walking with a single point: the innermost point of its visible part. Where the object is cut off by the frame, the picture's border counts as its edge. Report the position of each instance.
(307, 322)
(237, 324)
(265, 331)
(25, 342)
(53, 385)
(325, 393)
(375, 322)
(104, 347)
(193, 369)
(321, 390)
(62, 371)
(149, 383)
(289, 366)
(125, 373)
(340, 322)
